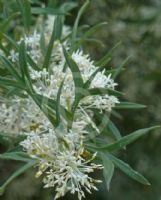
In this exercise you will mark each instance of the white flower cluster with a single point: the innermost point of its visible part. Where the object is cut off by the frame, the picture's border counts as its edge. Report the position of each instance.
(60, 156)
(61, 159)
(21, 115)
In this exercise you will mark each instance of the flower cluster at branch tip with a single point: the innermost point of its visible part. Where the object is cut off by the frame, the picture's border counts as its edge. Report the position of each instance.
(59, 152)
(60, 158)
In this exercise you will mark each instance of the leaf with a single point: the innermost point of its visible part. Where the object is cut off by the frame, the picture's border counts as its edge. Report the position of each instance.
(32, 63)
(106, 58)
(22, 61)
(11, 69)
(52, 104)
(68, 6)
(129, 105)
(128, 170)
(124, 141)
(16, 174)
(4, 49)
(26, 13)
(58, 103)
(42, 40)
(47, 10)
(10, 82)
(43, 104)
(108, 169)
(114, 130)
(119, 69)
(18, 156)
(52, 3)
(88, 33)
(103, 91)
(75, 27)
(77, 77)
(93, 29)
(11, 41)
(5, 23)
(58, 26)
(56, 34)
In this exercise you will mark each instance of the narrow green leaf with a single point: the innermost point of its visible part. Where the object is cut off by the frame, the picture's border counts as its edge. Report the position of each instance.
(42, 41)
(48, 11)
(58, 25)
(68, 6)
(11, 83)
(129, 105)
(77, 77)
(128, 170)
(11, 68)
(52, 3)
(4, 49)
(11, 41)
(22, 60)
(103, 91)
(24, 67)
(108, 169)
(93, 29)
(114, 130)
(25, 9)
(119, 69)
(18, 156)
(106, 58)
(124, 141)
(94, 41)
(43, 104)
(88, 33)
(49, 105)
(16, 174)
(5, 23)
(56, 33)
(32, 63)
(58, 104)
(75, 27)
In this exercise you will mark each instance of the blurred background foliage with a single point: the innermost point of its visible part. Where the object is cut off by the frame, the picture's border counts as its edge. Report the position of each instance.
(137, 25)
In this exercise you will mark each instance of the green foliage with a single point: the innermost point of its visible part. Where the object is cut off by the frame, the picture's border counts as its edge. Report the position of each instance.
(18, 77)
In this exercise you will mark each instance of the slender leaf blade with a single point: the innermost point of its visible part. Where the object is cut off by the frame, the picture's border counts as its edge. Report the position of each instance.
(108, 169)
(129, 105)
(124, 141)
(128, 170)
(16, 174)
(75, 27)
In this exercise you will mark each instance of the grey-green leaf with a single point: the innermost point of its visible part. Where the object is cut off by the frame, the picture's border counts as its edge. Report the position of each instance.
(16, 174)
(18, 156)
(128, 170)
(77, 77)
(114, 130)
(124, 141)
(75, 27)
(108, 169)
(26, 13)
(129, 105)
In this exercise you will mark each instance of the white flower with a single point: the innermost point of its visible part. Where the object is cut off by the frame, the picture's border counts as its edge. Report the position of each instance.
(104, 102)
(20, 115)
(13, 56)
(86, 66)
(60, 159)
(103, 81)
